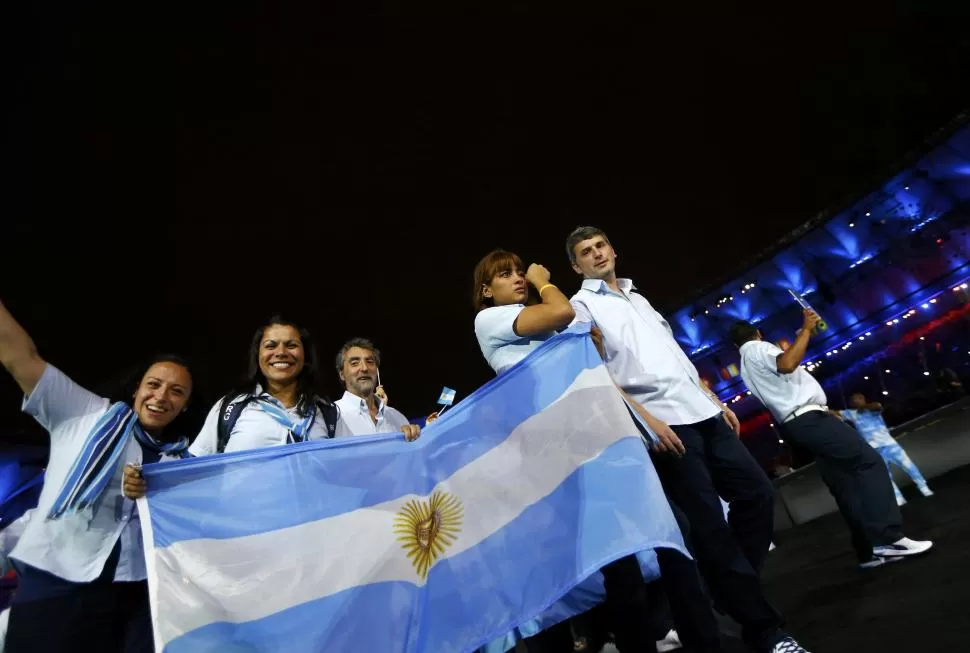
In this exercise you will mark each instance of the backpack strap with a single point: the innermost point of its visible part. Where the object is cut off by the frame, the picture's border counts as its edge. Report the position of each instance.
(231, 408)
(229, 411)
(331, 415)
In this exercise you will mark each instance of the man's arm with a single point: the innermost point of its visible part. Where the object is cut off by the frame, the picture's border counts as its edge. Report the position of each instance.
(788, 361)
(667, 440)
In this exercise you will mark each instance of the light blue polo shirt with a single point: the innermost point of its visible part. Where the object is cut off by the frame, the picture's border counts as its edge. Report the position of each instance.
(500, 345)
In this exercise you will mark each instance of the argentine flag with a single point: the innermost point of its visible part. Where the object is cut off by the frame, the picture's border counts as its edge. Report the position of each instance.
(447, 396)
(366, 544)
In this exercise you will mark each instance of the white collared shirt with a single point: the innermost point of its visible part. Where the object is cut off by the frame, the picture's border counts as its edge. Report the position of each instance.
(76, 546)
(641, 353)
(254, 429)
(355, 417)
(782, 394)
(500, 345)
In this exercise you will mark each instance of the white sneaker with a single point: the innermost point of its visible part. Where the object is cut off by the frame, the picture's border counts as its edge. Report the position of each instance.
(904, 547)
(926, 491)
(788, 645)
(670, 642)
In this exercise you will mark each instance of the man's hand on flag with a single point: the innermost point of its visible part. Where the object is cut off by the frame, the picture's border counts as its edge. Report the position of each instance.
(597, 337)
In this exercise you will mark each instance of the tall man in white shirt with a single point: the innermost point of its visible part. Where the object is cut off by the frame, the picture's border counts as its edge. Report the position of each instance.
(362, 411)
(646, 361)
(854, 473)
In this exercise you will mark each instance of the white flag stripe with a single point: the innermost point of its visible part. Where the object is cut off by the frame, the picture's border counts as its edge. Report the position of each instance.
(207, 580)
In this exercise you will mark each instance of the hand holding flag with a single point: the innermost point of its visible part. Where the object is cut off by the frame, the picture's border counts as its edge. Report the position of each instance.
(820, 326)
(446, 398)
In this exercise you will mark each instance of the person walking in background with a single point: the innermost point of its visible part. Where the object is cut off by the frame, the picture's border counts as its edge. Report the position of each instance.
(868, 420)
(851, 470)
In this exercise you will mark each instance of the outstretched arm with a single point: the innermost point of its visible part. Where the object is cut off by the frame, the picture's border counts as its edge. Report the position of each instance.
(18, 353)
(789, 361)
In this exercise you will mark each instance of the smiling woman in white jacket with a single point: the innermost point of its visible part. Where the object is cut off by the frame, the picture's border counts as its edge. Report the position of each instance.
(80, 561)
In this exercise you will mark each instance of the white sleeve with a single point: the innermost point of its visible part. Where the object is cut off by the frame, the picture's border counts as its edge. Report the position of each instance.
(495, 326)
(766, 354)
(582, 313)
(206, 442)
(56, 399)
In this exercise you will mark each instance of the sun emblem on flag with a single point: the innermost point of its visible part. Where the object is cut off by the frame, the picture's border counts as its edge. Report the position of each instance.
(425, 528)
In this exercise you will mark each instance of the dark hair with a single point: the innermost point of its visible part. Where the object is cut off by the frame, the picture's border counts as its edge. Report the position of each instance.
(125, 388)
(742, 332)
(578, 235)
(495, 262)
(363, 343)
(307, 388)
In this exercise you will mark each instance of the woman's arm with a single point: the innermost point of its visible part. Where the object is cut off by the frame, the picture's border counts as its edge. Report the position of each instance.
(555, 311)
(18, 353)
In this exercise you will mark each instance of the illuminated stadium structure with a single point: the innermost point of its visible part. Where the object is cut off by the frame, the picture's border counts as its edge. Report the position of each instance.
(888, 272)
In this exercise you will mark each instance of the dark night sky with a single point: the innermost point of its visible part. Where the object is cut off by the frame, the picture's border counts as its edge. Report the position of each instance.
(178, 178)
